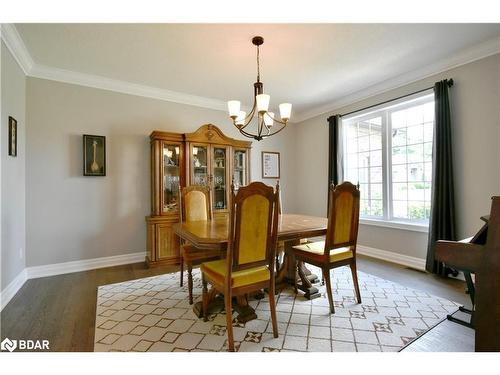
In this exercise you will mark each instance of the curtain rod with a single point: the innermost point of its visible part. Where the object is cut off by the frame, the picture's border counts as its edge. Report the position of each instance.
(449, 82)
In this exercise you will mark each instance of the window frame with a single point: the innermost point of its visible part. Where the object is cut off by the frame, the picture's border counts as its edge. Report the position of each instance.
(384, 111)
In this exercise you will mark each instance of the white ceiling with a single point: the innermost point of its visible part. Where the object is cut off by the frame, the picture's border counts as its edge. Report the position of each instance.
(309, 65)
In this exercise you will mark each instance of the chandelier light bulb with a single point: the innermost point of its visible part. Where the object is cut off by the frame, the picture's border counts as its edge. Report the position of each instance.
(177, 150)
(240, 119)
(269, 119)
(262, 102)
(285, 111)
(234, 108)
(195, 150)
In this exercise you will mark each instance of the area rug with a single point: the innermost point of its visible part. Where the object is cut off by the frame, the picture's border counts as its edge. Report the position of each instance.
(153, 314)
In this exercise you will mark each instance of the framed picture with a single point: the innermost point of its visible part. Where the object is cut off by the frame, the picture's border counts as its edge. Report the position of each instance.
(270, 164)
(94, 155)
(12, 136)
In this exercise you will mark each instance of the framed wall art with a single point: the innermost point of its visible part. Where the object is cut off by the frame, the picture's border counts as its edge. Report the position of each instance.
(12, 136)
(270, 164)
(94, 155)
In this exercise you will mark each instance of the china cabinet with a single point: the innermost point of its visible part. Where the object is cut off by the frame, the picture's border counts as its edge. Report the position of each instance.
(205, 157)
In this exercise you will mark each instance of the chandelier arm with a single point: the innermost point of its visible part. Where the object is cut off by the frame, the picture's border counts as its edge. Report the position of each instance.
(248, 135)
(261, 125)
(251, 114)
(277, 131)
(249, 118)
(275, 119)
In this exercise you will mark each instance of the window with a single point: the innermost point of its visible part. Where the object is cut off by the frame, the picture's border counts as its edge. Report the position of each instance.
(388, 151)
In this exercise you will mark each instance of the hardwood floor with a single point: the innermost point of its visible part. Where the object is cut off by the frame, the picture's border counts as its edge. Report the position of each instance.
(446, 336)
(62, 308)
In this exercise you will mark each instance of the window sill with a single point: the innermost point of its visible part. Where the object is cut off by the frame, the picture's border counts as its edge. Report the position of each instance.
(396, 225)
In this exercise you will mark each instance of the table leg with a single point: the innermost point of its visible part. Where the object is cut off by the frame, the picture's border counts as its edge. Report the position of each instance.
(306, 286)
(289, 272)
(244, 310)
(216, 305)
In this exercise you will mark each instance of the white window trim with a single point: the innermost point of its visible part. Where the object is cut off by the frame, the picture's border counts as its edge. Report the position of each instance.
(415, 227)
(398, 104)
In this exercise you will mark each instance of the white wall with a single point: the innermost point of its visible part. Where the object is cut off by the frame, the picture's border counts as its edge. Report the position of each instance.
(13, 235)
(71, 217)
(475, 102)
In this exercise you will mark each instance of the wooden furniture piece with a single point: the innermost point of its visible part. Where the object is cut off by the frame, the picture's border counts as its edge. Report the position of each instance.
(291, 228)
(249, 263)
(206, 158)
(443, 251)
(339, 247)
(195, 205)
(480, 256)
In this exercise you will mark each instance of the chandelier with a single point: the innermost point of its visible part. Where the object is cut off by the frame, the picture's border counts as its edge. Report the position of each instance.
(265, 125)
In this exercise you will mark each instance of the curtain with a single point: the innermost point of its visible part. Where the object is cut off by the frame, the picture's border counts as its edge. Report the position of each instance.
(333, 149)
(442, 216)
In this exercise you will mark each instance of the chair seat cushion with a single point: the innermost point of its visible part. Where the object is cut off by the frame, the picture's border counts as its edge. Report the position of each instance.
(216, 270)
(193, 254)
(318, 248)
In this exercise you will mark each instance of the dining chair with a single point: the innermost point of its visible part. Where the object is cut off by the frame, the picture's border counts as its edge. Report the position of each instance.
(195, 205)
(249, 263)
(339, 247)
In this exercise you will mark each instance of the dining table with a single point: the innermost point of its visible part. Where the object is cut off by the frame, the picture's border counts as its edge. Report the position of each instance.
(292, 229)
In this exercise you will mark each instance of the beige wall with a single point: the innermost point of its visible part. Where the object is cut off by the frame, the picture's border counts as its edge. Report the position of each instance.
(13, 228)
(71, 217)
(475, 102)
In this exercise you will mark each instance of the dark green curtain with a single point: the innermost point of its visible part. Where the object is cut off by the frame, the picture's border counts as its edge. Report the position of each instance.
(333, 146)
(442, 217)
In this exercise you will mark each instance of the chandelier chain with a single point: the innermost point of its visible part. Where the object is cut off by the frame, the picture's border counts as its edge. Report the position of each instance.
(258, 64)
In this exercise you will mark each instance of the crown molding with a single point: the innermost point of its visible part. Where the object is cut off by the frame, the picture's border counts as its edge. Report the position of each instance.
(16, 46)
(124, 87)
(465, 56)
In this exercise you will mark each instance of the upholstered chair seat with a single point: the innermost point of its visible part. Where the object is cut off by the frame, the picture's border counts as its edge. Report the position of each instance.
(216, 270)
(318, 248)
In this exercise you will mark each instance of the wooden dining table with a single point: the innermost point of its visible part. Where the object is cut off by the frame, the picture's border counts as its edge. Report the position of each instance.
(292, 228)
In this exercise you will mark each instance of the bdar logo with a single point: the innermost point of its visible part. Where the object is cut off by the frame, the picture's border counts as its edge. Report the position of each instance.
(8, 344)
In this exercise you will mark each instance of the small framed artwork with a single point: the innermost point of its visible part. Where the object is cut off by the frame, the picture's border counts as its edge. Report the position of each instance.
(94, 155)
(270, 164)
(12, 136)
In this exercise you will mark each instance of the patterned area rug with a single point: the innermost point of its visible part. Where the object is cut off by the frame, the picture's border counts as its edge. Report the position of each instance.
(153, 314)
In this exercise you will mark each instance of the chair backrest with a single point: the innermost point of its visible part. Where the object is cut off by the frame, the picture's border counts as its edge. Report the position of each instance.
(343, 217)
(195, 203)
(253, 227)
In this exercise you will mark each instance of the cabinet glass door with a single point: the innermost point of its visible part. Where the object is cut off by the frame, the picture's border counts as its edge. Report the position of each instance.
(171, 177)
(199, 165)
(239, 172)
(219, 165)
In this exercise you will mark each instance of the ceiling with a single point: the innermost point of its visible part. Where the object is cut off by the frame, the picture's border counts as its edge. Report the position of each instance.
(309, 65)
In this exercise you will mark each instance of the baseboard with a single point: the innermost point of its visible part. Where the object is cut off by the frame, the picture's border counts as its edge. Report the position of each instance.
(67, 267)
(389, 256)
(10, 290)
(84, 265)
